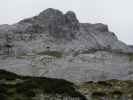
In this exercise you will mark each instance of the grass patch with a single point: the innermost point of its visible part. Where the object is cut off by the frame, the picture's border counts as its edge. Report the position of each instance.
(56, 54)
(104, 83)
(98, 95)
(109, 89)
(130, 57)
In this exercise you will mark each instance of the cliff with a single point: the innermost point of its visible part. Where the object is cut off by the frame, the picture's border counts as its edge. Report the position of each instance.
(57, 45)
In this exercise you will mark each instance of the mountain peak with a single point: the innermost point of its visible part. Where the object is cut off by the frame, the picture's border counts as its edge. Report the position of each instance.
(58, 25)
(50, 12)
(67, 27)
(70, 17)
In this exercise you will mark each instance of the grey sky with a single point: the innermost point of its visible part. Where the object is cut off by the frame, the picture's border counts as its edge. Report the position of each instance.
(116, 13)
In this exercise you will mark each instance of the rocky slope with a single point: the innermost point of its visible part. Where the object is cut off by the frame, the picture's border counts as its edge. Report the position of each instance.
(57, 45)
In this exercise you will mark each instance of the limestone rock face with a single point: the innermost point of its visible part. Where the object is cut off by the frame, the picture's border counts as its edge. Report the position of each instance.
(70, 19)
(58, 25)
(57, 45)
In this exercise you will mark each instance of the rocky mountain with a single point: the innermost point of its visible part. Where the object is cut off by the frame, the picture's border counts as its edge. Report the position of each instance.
(57, 45)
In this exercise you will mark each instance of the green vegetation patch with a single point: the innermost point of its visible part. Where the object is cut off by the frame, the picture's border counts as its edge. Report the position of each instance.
(98, 95)
(108, 89)
(130, 57)
(8, 75)
(29, 87)
(56, 54)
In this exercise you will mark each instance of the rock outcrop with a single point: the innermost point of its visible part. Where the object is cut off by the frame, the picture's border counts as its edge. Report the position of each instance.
(55, 22)
(57, 45)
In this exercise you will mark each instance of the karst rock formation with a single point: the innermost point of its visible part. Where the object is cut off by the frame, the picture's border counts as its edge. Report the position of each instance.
(57, 45)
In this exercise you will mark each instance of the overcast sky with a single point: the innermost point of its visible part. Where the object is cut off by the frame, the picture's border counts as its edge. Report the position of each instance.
(117, 14)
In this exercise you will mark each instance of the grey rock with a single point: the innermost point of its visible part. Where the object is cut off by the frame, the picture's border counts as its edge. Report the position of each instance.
(100, 27)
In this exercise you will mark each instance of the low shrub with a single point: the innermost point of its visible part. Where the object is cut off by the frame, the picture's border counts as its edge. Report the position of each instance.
(30, 85)
(8, 75)
(130, 57)
(98, 94)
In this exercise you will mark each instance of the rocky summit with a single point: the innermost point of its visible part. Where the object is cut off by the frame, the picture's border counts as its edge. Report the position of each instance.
(56, 45)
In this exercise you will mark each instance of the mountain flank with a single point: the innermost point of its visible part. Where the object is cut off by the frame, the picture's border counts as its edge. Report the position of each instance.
(56, 45)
